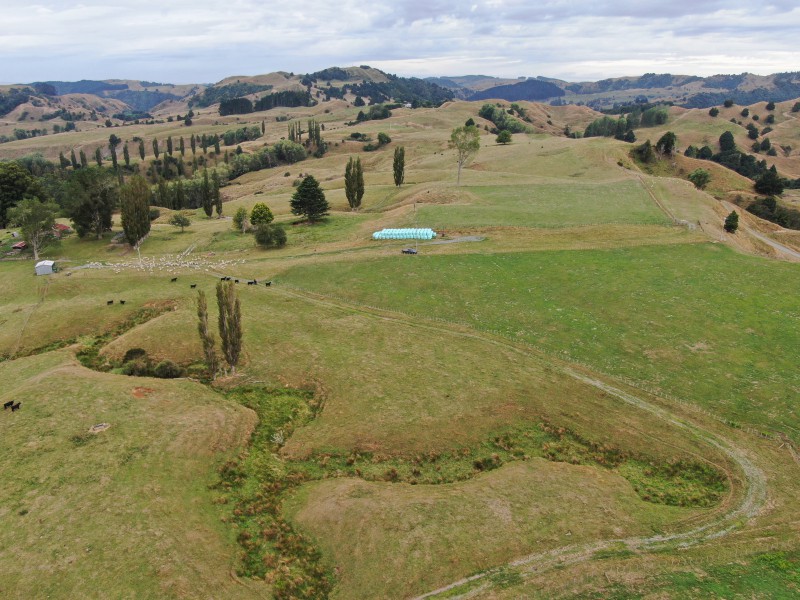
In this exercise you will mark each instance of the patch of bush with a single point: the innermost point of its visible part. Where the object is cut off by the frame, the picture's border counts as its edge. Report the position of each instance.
(167, 369)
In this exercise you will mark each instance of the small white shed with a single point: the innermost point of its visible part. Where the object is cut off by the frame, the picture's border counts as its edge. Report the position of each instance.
(45, 267)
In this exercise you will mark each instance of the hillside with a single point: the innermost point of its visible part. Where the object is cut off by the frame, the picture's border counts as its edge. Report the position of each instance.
(584, 386)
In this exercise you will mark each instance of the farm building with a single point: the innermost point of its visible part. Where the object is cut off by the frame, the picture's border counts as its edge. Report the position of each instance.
(19, 246)
(45, 267)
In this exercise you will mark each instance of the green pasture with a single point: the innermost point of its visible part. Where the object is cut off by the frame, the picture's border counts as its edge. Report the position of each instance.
(697, 321)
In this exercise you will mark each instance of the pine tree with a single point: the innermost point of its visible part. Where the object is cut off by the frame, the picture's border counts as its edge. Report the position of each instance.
(309, 200)
(399, 165)
(732, 222)
(212, 361)
(230, 322)
(135, 210)
(141, 149)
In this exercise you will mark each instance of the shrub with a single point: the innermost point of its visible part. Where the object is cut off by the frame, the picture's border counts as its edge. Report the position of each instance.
(167, 369)
(154, 214)
(700, 178)
(270, 236)
(240, 219)
(261, 215)
(714, 112)
(134, 354)
(728, 103)
(138, 368)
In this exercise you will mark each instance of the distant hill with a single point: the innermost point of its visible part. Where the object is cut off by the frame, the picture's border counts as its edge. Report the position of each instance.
(683, 90)
(530, 89)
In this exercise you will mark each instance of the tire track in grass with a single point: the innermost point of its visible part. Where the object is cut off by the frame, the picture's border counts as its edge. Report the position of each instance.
(749, 505)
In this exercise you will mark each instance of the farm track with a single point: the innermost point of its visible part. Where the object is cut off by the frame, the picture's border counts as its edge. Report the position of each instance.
(750, 503)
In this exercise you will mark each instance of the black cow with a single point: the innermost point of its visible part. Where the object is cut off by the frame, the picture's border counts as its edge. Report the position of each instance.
(235, 281)
(110, 302)
(8, 404)
(15, 406)
(174, 279)
(122, 301)
(194, 285)
(249, 283)
(269, 283)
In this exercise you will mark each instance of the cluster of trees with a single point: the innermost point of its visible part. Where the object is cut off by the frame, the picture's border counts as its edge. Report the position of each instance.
(621, 128)
(12, 98)
(665, 146)
(502, 119)
(374, 113)
(260, 222)
(416, 92)
(218, 93)
(771, 210)
(242, 106)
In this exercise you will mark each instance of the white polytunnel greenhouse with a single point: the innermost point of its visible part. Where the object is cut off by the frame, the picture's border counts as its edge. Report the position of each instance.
(404, 234)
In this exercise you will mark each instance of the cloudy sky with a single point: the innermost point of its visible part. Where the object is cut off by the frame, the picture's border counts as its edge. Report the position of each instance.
(183, 41)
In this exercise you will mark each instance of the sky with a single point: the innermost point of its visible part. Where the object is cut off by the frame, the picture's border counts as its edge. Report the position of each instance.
(179, 41)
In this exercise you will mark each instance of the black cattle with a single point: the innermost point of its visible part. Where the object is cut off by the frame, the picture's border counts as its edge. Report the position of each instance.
(223, 279)
(122, 301)
(15, 406)
(110, 302)
(269, 283)
(174, 279)
(250, 283)
(8, 404)
(235, 281)
(255, 282)
(194, 285)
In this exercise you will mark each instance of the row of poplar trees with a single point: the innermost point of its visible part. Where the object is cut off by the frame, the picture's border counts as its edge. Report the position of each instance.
(230, 327)
(354, 177)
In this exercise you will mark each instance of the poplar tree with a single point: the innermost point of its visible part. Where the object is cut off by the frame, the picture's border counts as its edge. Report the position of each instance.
(84, 162)
(230, 322)
(98, 157)
(216, 197)
(73, 160)
(354, 183)
(141, 149)
(126, 155)
(155, 147)
(193, 144)
(206, 338)
(399, 166)
(205, 195)
(135, 211)
(169, 145)
(182, 146)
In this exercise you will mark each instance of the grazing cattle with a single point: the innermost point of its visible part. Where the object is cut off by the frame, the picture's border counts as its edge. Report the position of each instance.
(223, 279)
(269, 283)
(255, 282)
(15, 406)
(194, 285)
(8, 404)
(235, 281)
(122, 301)
(110, 302)
(174, 279)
